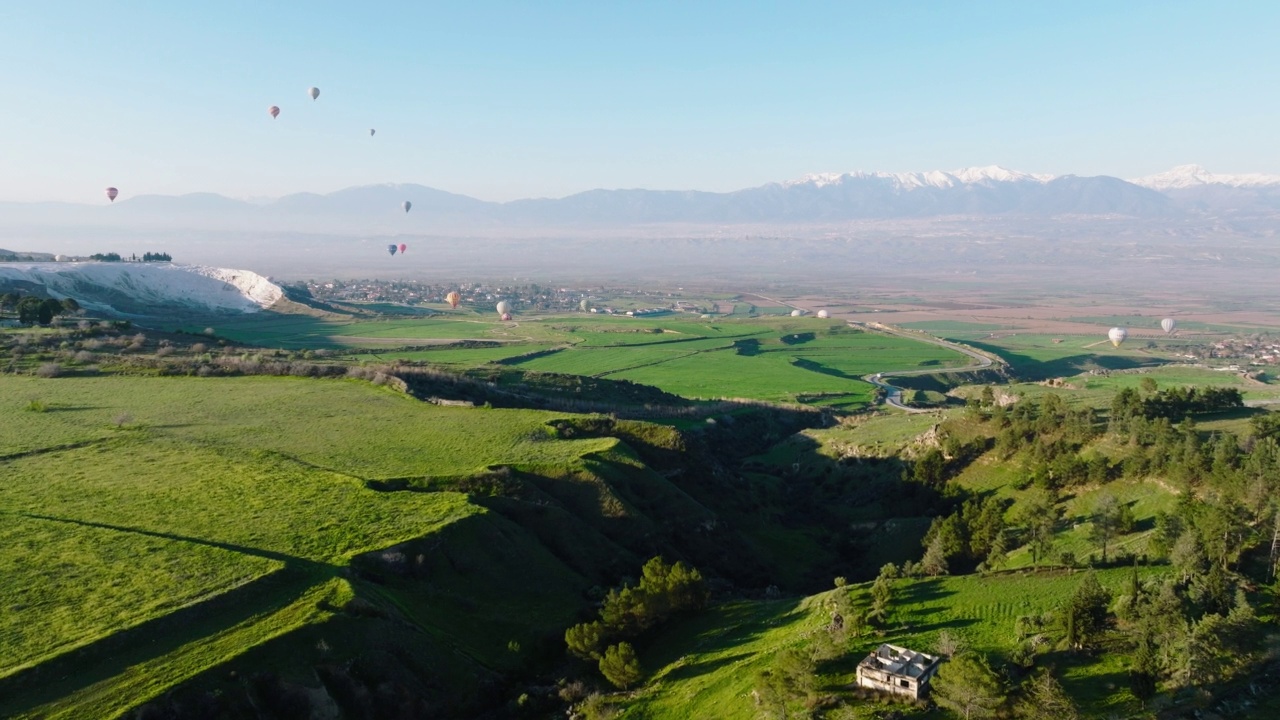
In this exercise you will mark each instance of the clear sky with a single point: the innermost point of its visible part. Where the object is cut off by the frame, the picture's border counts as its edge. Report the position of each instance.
(501, 100)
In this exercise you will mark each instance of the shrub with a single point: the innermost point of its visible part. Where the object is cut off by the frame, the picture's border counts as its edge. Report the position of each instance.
(49, 370)
(37, 406)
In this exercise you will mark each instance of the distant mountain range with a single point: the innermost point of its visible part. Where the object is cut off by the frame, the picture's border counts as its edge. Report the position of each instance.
(825, 198)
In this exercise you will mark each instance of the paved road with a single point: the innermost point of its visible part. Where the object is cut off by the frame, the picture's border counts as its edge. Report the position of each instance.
(893, 395)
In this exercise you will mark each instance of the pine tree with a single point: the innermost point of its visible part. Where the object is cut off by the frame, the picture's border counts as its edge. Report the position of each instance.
(620, 666)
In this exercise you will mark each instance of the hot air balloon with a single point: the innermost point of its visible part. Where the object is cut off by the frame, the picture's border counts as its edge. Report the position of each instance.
(112, 193)
(314, 92)
(1117, 335)
(273, 111)
(403, 247)
(583, 305)
(371, 132)
(506, 317)
(406, 205)
(796, 313)
(823, 314)
(1169, 324)
(392, 248)
(504, 309)
(453, 299)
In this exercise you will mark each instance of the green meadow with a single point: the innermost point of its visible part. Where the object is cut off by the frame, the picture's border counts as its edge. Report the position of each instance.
(707, 666)
(131, 500)
(774, 357)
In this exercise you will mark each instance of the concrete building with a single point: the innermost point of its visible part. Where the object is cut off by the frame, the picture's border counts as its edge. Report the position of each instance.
(897, 670)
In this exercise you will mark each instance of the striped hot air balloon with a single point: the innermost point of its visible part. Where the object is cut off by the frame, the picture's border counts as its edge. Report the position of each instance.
(273, 111)
(453, 298)
(112, 193)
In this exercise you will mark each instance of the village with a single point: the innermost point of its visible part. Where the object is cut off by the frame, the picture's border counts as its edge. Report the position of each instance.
(526, 298)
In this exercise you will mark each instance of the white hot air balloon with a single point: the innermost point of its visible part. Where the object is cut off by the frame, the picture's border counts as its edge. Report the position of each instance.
(823, 314)
(504, 308)
(406, 205)
(1168, 325)
(1117, 335)
(314, 92)
(796, 313)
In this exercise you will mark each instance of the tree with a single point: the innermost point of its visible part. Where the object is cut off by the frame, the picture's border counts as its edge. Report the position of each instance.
(1144, 670)
(791, 678)
(935, 558)
(881, 596)
(968, 686)
(1085, 616)
(586, 639)
(988, 396)
(1040, 515)
(1110, 518)
(1044, 699)
(1148, 385)
(30, 309)
(48, 309)
(620, 666)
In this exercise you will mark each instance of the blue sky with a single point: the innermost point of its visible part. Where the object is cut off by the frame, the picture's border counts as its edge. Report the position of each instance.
(501, 100)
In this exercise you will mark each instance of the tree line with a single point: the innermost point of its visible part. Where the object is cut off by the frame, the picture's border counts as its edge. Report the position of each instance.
(664, 592)
(32, 309)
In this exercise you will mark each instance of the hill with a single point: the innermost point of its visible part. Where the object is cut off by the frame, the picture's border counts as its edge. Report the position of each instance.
(143, 289)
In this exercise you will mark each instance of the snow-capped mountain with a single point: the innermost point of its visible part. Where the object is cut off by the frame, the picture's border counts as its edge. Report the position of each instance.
(1193, 176)
(819, 198)
(935, 178)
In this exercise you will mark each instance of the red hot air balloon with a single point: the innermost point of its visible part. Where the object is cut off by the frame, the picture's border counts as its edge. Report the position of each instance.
(403, 247)
(273, 111)
(112, 193)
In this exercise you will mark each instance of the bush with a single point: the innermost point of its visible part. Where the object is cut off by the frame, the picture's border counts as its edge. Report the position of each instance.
(37, 406)
(49, 370)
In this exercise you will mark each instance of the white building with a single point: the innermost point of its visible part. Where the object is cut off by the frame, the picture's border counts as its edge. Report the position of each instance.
(897, 670)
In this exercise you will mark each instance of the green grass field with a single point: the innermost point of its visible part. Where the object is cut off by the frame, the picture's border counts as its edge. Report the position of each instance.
(694, 358)
(130, 499)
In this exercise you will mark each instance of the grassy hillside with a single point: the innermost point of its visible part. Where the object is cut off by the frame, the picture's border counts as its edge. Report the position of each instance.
(708, 666)
(131, 502)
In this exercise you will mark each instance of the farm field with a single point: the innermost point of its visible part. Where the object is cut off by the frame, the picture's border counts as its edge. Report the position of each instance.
(775, 358)
(707, 666)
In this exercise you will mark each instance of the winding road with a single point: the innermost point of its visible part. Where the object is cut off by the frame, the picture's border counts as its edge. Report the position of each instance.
(893, 395)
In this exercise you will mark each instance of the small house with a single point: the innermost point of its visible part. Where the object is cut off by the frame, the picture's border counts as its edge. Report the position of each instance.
(897, 670)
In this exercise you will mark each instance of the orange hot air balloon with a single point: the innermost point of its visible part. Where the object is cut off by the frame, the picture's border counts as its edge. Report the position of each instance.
(112, 193)
(453, 298)
(273, 111)
(403, 247)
